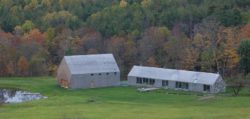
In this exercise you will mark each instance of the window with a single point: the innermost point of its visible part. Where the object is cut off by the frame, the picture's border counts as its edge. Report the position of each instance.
(206, 88)
(107, 73)
(100, 74)
(91, 74)
(151, 81)
(115, 73)
(181, 85)
(139, 80)
(146, 81)
(164, 83)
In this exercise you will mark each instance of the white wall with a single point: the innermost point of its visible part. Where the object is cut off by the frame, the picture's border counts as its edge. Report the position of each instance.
(95, 81)
(219, 87)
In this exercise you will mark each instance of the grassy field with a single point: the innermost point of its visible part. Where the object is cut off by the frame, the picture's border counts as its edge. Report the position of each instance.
(118, 103)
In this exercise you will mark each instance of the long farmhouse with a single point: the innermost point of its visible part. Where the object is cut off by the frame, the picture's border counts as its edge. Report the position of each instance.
(176, 79)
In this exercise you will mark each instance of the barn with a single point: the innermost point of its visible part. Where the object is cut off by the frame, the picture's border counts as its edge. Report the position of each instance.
(88, 71)
(176, 79)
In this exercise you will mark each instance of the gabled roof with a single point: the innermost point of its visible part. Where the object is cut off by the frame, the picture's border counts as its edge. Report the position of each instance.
(85, 64)
(174, 75)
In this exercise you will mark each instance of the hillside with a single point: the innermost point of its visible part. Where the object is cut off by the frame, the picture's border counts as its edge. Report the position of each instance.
(201, 35)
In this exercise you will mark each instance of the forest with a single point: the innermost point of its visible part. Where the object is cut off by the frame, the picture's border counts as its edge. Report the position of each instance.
(200, 35)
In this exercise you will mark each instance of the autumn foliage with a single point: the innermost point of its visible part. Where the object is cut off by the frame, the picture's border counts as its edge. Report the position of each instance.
(198, 35)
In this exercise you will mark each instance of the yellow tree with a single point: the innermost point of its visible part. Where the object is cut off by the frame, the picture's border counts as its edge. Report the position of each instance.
(146, 3)
(123, 3)
(227, 55)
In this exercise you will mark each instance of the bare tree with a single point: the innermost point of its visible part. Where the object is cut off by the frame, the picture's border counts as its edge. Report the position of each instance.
(239, 83)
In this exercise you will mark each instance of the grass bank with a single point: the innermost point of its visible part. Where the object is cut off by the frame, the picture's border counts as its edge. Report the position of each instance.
(118, 103)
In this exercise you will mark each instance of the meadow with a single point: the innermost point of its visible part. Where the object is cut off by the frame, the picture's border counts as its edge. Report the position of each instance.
(119, 103)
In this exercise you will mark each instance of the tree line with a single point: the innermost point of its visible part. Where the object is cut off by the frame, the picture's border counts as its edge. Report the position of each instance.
(200, 35)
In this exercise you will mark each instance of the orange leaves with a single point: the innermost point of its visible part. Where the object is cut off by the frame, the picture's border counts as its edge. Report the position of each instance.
(35, 35)
(245, 32)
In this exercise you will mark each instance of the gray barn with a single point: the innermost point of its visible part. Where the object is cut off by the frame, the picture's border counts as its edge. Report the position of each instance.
(176, 79)
(88, 71)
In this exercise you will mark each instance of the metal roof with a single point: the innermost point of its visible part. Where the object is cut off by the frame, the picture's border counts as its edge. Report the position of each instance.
(97, 63)
(174, 75)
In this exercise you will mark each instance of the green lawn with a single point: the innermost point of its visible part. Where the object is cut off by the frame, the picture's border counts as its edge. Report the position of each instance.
(118, 103)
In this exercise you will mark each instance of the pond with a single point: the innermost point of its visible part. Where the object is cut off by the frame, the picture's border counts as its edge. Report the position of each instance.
(18, 96)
